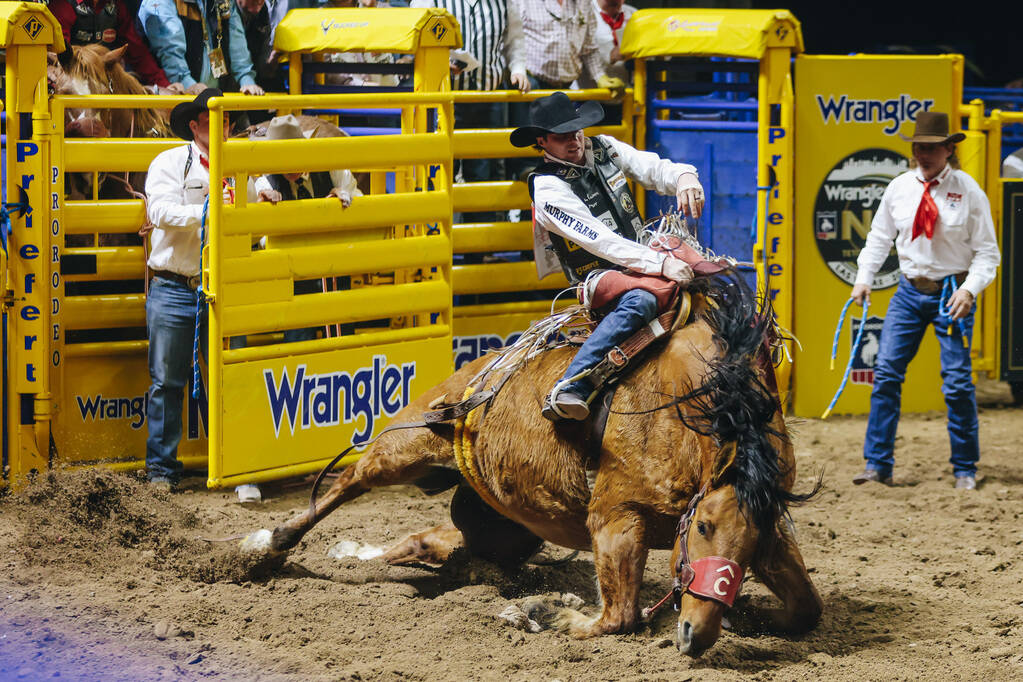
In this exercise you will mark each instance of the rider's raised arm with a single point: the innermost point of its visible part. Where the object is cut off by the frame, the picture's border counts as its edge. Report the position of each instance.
(559, 210)
(647, 168)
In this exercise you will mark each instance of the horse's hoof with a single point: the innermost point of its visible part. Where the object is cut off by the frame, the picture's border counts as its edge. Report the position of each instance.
(260, 541)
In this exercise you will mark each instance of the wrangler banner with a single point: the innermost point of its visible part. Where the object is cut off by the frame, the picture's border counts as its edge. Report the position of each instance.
(850, 112)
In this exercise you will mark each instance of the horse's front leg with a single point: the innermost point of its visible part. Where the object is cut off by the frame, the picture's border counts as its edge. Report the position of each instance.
(783, 572)
(619, 556)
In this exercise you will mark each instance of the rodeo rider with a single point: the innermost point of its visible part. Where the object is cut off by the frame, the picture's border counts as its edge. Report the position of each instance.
(581, 199)
(177, 187)
(940, 221)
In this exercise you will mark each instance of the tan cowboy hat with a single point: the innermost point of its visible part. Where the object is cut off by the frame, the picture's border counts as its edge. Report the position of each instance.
(932, 127)
(284, 128)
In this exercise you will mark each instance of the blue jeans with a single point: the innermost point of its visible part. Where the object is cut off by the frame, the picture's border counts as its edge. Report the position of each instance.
(634, 309)
(909, 314)
(170, 320)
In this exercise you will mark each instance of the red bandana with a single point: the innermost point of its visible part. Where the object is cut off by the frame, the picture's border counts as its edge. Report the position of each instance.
(926, 212)
(615, 23)
(227, 185)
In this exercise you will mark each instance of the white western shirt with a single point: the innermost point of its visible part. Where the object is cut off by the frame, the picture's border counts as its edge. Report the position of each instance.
(571, 219)
(492, 31)
(175, 201)
(964, 234)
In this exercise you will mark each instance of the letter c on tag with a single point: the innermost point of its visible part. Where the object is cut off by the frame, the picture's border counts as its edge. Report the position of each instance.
(717, 582)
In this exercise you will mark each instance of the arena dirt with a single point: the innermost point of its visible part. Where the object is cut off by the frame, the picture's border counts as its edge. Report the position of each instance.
(102, 577)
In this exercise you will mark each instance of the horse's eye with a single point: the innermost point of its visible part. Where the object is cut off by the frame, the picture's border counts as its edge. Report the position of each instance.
(701, 528)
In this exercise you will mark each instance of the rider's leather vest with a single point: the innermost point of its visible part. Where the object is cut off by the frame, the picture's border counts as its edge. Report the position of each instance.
(321, 185)
(190, 16)
(606, 194)
(94, 27)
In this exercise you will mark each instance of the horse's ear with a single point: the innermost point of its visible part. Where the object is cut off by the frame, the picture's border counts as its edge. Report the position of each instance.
(723, 462)
(114, 56)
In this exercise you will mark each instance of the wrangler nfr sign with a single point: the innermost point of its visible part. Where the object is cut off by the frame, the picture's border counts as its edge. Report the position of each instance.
(850, 112)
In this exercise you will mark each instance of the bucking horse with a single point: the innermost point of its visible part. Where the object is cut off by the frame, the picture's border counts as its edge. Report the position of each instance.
(694, 456)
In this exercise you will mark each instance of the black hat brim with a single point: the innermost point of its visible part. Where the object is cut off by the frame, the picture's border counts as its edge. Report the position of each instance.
(186, 112)
(588, 114)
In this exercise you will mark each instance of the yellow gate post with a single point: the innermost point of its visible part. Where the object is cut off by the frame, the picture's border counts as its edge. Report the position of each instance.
(27, 30)
(772, 37)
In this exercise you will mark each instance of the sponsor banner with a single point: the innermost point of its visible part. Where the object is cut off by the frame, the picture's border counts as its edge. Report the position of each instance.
(475, 335)
(850, 116)
(102, 410)
(303, 409)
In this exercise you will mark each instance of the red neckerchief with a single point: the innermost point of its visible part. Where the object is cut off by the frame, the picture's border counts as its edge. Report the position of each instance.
(614, 22)
(926, 212)
(228, 186)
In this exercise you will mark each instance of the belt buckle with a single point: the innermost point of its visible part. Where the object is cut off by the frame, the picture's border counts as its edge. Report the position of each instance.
(194, 281)
(617, 357)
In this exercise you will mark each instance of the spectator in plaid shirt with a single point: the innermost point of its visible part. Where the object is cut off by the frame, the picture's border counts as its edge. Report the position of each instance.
(561, 37)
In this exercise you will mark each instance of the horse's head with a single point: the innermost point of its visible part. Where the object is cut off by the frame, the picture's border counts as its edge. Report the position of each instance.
(95, 70)
(715, 546)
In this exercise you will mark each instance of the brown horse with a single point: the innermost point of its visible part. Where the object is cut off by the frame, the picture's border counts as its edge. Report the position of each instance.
(96, 70)
(692, 427)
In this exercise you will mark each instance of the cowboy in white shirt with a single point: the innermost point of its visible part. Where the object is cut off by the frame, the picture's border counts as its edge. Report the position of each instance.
(176, 187)
(940, 222)
(586, 221)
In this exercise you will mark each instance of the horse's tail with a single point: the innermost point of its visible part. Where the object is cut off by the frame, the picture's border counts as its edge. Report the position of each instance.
(734, 404)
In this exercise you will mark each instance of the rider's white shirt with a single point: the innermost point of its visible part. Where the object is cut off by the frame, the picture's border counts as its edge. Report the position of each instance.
(175, 201)
(964, 235)
(572, 219)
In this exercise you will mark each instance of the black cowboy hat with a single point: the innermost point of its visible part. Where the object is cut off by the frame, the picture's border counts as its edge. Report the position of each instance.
(185, 112)
(556, 114)
(932, 127)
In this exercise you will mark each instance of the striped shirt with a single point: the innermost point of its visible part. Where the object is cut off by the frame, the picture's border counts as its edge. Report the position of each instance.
(560, 39)
(492, 33)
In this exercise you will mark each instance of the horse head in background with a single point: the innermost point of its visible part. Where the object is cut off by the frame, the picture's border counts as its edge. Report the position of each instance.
(96, 70)
(695, 432)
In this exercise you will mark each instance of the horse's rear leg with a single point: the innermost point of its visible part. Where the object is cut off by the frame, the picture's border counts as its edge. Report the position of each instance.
(619, 556)
(474, 525)
(397, 458)
(783, 572)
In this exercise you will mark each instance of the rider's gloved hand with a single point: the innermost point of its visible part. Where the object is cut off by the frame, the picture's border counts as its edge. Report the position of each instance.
(689, 195)
(676, 270)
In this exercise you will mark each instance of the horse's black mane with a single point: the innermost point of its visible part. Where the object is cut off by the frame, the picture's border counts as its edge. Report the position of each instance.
(734, 405)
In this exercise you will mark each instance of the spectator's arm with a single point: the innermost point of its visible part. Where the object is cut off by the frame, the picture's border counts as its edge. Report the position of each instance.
(139, 56)
(515, 40)
(241, 60)
(162, 26)
(344, 181)
(589, 52)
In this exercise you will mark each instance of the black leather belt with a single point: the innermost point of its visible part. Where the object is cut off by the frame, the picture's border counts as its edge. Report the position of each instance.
(928, 286)
(190, 282)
